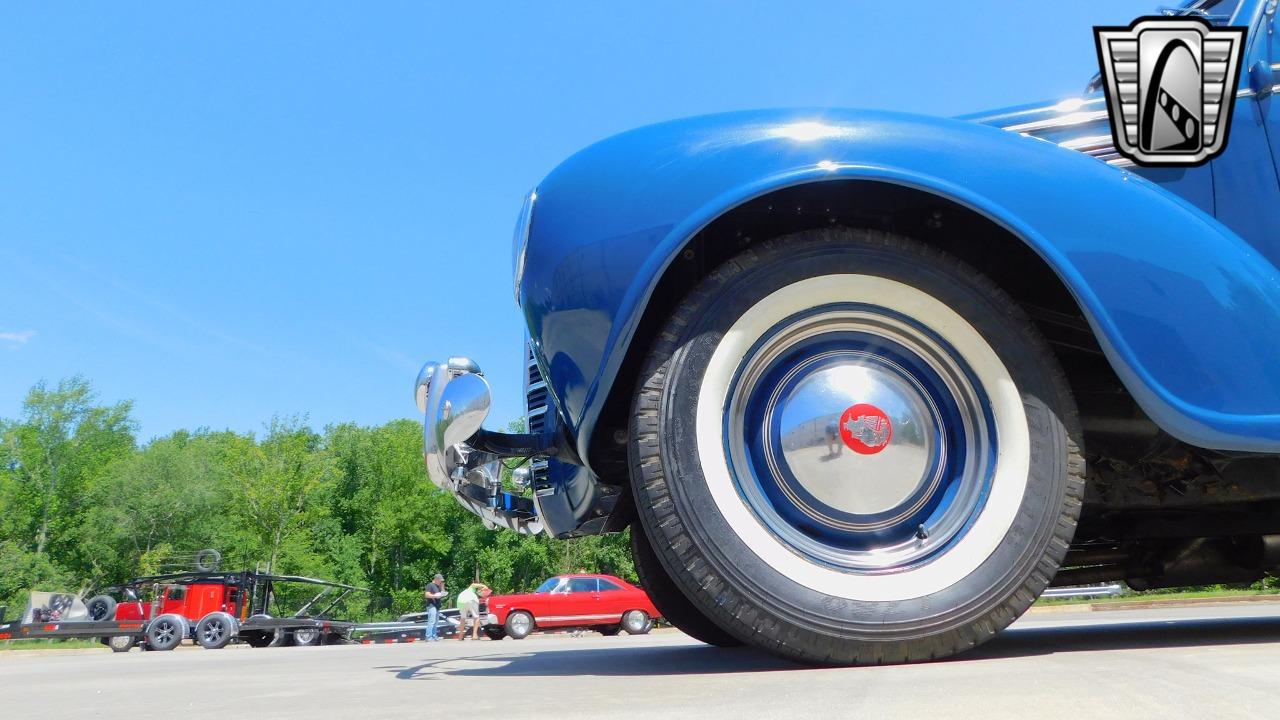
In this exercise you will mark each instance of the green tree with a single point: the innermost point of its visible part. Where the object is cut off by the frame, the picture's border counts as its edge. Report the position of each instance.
(172, 497)
(63, 441)
(22, 570)
(387, 502)
(282, 483)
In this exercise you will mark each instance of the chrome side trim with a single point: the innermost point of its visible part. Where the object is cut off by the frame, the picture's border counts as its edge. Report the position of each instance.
(1101, 147)
(1088, 142)
(1076, 118)
(572, 618)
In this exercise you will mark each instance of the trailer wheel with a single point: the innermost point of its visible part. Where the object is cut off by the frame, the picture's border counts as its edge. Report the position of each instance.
(306, 637)
(101, 607)
(166, 632)
(261, 639)
(121, 643)
(519, 625)
(215, 630)
(264, 638)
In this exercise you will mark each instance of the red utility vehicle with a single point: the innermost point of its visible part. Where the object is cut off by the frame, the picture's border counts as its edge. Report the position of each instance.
(212, 608)
(603, 603)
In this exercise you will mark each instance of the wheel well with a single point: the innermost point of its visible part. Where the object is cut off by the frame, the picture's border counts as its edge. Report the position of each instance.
(923, 216)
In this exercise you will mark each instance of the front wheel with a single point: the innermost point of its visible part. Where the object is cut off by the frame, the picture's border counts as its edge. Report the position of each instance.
(166, 632)
(519, 624)
(850, 448)
(669, 599)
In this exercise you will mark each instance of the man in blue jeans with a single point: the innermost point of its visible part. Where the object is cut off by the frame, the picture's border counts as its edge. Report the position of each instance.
(434, 594)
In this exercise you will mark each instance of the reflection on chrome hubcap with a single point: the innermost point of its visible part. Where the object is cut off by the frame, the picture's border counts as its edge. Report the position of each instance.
(838, 441)
(859, 437)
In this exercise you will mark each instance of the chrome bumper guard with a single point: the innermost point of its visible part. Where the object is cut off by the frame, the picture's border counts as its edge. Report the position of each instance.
(454, 399)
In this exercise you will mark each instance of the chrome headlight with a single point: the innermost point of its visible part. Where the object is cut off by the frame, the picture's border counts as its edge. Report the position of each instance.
(520, 242)
(422, 386)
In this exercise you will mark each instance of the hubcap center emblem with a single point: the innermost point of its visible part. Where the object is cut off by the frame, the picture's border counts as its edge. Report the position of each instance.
(865, 429)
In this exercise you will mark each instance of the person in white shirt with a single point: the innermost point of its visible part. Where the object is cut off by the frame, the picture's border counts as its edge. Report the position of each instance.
(469, 607)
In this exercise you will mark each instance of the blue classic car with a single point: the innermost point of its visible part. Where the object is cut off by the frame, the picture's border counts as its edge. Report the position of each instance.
(864, 384)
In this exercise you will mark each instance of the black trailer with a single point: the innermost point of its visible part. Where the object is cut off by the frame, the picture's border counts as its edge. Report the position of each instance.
(408, 628)
(210, 607)
(64, 616)
(215, 608)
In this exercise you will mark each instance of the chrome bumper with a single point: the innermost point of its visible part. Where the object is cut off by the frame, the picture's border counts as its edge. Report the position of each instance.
(454, 399)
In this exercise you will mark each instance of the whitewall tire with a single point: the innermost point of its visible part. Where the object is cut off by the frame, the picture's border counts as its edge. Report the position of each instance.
(848, 447)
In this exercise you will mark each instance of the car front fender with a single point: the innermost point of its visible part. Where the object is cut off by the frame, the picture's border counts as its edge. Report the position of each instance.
(1187, 313)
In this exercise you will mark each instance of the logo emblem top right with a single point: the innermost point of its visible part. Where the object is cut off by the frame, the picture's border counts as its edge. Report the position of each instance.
(1170, 86)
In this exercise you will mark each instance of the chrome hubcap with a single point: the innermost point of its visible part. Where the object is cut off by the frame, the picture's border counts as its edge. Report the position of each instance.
(859, 437)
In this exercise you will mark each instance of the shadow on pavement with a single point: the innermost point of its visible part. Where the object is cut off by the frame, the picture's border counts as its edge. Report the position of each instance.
(707, 660)
(620, 661)
(1156, 634)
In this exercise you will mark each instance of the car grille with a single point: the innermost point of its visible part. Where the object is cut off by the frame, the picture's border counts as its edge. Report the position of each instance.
(535, 394)
(537, 404)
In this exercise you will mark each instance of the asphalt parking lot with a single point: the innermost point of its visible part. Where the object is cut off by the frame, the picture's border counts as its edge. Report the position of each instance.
(1205, 662)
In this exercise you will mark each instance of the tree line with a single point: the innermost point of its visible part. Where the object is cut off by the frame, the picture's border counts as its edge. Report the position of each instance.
(84, 504)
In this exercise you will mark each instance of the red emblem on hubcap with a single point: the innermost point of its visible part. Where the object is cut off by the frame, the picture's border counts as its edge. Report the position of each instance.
(865, 429)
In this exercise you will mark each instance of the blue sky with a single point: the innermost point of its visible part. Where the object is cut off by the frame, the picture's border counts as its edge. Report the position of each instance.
(226, 211)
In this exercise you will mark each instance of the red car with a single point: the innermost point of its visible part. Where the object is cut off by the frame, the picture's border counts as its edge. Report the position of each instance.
(602, 603)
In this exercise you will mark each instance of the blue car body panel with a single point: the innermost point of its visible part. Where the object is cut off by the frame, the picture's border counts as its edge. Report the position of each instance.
(1186, 310)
